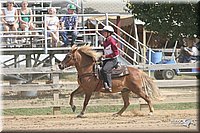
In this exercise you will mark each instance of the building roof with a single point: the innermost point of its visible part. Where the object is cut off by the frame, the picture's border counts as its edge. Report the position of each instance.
(101, 6)
(106, 6)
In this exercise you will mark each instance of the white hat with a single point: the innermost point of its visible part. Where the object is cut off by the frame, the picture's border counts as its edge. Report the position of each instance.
(108, 29)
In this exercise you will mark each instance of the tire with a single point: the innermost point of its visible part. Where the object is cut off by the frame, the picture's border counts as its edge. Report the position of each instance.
(168, 74)
(158, 74)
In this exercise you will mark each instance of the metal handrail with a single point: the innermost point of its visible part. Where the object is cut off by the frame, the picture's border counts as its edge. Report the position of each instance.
(96, 30)
(128, 45)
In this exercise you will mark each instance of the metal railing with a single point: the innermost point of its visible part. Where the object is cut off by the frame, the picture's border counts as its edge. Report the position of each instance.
(127, 44)
(43, 33)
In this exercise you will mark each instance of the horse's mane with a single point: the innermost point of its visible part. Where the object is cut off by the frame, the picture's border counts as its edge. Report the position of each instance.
(86, 49)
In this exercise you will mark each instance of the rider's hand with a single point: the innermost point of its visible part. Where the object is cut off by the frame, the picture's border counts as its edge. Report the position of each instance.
(103, 56)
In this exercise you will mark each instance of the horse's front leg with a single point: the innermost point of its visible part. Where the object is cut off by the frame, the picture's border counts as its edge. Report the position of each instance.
(86, 100)
(71, 102)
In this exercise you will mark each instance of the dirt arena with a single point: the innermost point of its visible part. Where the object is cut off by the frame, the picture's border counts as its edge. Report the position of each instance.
(162, 120)
(134, 120)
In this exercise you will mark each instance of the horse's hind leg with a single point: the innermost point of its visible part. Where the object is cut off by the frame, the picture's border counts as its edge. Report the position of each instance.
(71, 102)
(125, 97)
(141, 94)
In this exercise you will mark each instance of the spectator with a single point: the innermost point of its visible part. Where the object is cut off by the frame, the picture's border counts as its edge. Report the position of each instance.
(189, 52)
(1, 27)
(0, 18)
(26, 22)
(10, 20)
(52, 24)
(69, 23)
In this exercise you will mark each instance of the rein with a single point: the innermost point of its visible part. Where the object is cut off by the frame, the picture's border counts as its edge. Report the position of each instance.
(85, 75)
(88, 75)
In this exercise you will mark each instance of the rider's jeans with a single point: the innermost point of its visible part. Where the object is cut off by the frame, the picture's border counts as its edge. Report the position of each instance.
(106, 70)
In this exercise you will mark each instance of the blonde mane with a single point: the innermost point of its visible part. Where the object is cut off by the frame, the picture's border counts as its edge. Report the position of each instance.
(86, 49)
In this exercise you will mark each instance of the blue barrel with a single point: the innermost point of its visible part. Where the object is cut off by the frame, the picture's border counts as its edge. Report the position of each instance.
(156, 56)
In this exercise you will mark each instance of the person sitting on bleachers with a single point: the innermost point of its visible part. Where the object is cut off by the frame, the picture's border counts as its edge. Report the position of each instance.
(26, 22)
(69, 23)
(1, 19)
(10, 20)
(52, 24)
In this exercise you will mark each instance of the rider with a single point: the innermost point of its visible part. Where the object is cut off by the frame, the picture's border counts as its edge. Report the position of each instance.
(109, 57)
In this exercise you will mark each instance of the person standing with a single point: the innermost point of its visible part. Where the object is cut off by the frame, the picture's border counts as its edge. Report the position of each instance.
(109, 57)
(69, 23)
(10, 20)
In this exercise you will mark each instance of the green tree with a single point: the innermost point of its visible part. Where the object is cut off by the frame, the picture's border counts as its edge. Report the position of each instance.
(171, 20)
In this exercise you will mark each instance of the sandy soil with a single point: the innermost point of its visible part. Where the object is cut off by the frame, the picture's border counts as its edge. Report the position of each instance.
(135, 120)
(162, 120)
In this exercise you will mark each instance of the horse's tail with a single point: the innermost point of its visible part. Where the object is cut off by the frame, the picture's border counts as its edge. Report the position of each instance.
(150, 88)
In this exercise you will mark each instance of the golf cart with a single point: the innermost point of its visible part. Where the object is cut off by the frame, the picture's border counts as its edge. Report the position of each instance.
(169, 74)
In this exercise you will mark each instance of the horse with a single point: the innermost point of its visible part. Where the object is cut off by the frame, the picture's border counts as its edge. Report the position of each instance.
(84, 58)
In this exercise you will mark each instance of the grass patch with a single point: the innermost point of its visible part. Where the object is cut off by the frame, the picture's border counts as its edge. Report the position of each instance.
(96, 109)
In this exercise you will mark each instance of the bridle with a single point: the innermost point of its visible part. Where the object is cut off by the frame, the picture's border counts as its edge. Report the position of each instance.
(70, 57)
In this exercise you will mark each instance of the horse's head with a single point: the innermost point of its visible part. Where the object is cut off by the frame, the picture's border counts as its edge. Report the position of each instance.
(69, 59)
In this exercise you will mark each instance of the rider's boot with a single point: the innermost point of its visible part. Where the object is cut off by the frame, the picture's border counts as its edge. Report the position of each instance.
(107, 88)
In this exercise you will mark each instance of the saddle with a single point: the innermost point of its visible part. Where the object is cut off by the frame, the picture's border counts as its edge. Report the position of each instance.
(117, 71)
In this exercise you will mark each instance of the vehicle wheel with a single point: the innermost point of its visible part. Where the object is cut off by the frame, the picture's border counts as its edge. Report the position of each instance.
(168, 74)
(158, 74)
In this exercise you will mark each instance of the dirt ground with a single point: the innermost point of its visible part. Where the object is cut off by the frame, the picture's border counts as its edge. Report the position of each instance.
(162, 120)
(134, 120)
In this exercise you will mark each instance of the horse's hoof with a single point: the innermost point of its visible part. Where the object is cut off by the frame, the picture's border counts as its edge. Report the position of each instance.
(150, 113)
(73, 108)
(80, 115)
(116, 115)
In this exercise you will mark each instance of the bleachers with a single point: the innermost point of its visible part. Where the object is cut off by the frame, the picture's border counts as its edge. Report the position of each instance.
(39, 29)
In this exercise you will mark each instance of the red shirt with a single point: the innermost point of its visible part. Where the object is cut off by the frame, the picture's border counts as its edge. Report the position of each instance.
(110, 48)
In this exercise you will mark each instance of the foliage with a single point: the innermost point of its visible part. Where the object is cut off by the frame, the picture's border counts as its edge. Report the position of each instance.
(171, 20)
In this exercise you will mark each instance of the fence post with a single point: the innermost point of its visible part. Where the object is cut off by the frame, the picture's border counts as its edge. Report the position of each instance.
(45, 35)
(118, 30)
(56, 106)
(96, 36)
(149, 56)
(106, 19)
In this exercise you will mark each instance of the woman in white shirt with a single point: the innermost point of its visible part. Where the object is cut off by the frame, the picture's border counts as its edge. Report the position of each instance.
(10, 19)
(52, 24)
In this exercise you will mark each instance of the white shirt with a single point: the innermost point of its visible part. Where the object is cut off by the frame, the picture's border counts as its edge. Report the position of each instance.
(52, 22)
(10, 15)
(195, 51)
(108, 50)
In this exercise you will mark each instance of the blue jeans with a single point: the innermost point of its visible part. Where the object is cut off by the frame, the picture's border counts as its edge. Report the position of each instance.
(64, 35)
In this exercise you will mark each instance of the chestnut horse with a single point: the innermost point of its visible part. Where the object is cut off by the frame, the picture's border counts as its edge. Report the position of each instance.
(84, 58)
